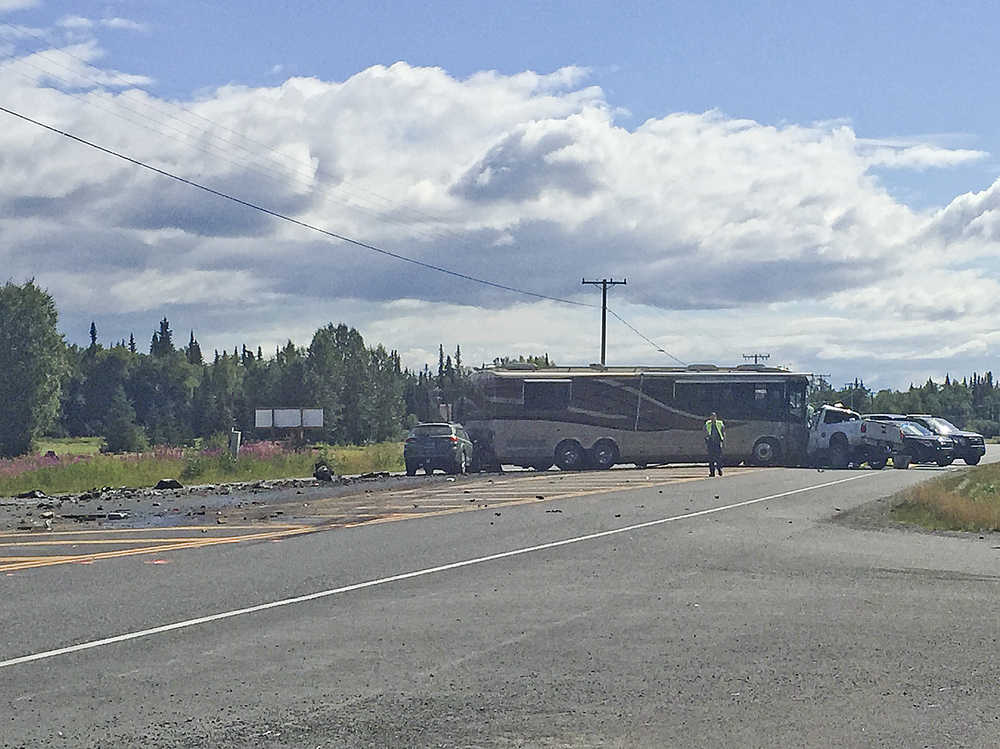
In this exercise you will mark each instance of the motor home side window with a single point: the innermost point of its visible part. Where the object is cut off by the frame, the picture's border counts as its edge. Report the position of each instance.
(547, 395)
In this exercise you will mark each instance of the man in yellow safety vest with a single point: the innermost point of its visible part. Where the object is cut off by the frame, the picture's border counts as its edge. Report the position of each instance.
(715, 437)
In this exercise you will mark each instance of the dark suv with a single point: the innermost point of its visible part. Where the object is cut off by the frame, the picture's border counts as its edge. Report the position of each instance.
(440, 445)
(924, 446)
(921, 443)
(969, 446)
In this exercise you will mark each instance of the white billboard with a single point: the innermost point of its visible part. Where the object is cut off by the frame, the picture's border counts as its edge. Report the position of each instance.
(312, 417)
(288, 418)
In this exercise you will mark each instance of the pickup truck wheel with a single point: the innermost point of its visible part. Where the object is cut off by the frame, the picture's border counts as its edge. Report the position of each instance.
(839, 457)
(945, 462)
(972, 460)
(901, 461)
(877, 462)
(765, 452)
(570, 455)
(411, 470)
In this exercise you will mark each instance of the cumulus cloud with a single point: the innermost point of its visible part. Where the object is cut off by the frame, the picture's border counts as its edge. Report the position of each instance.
(69, 67)
(6, 6)
(729, 230)
(923, 157)
(124, 24)
(75, 22)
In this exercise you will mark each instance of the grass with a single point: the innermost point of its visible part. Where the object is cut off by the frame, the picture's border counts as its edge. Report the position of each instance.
(69, 445)
(966, 501)
(265, 460)
(385, 456)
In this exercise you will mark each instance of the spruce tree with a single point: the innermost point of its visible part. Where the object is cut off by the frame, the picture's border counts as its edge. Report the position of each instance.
(194, 351)
(93, 334)
(166, 336)
(120, 432)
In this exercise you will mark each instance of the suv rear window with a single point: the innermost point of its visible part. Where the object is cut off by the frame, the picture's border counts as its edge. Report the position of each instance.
(432, 430)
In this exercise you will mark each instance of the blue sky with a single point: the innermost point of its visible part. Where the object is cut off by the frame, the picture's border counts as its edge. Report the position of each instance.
(818, 137)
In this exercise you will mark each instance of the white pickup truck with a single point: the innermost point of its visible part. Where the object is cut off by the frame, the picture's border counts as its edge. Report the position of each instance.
(839, 437)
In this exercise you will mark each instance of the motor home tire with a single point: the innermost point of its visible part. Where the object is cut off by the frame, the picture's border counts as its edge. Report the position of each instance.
(604, 454)
(570, 455)
(765, 452)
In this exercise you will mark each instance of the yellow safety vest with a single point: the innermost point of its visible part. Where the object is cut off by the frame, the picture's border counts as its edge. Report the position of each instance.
(720, 428)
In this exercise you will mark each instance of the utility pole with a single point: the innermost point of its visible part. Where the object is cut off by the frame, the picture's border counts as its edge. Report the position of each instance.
(757, 358)
(853, 386)
(604, 283)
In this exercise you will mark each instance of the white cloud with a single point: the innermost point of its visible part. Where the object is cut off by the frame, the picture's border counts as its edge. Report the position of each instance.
(6, 6)
(67, 67)
(124, 24)
(923, 157)
(731, 232)
(75, 22)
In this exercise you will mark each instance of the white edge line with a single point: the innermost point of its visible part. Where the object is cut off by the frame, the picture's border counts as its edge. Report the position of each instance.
(404, 576)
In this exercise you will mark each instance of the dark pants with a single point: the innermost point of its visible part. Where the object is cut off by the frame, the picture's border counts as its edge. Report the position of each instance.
(714, 459)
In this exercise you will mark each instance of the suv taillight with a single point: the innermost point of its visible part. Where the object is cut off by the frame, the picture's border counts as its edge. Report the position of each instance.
(453, 438)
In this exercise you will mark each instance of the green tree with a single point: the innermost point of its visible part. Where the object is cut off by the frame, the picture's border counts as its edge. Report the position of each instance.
(121, 433)
(162, 391)
(162, 342)
(194, 352)
(32, 360)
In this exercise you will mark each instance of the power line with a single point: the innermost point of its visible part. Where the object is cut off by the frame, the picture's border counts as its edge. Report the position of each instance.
(290, 219)
(189, 139)
(651, 342)
(276, 157)
(334, 235)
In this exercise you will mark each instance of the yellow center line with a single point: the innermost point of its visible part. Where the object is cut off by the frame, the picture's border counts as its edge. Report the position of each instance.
(112, 541)
(158, 529)
(201, 542)
(575, 486)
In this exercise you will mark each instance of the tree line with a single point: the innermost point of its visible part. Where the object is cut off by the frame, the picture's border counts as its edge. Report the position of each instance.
(172, 394)
(971, 403)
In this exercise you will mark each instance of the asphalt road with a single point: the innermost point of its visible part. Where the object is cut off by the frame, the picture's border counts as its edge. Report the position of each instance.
(759, 609)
